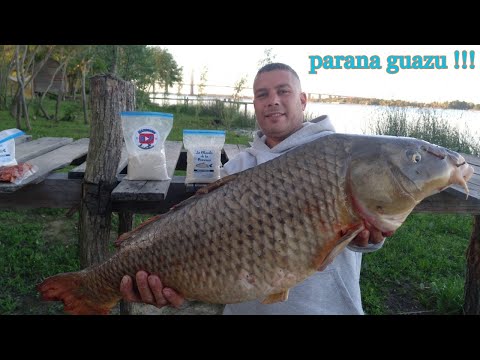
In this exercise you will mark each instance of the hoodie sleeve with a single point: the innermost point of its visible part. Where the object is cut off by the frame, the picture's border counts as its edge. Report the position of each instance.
(366, 249)
(241, 161)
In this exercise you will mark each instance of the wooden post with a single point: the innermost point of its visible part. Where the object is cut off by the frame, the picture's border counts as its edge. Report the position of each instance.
(472, 279)
(109, 96)
(125, 224)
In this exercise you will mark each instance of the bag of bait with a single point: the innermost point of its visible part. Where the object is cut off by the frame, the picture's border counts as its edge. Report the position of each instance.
(204, 151)
(145, 134)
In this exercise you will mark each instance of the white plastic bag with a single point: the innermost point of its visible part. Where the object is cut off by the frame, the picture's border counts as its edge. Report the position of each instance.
(7, 146)
(10, 169)
(17, 174)
(145, 134)
(204, 151)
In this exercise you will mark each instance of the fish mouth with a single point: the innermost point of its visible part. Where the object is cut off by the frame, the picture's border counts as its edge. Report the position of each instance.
(462, 172)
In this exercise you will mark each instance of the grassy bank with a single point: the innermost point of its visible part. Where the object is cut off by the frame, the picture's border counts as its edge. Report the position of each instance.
(421, 268)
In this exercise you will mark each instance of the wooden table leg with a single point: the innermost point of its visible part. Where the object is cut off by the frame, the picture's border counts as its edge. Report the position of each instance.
(472, 279)
(125, 224)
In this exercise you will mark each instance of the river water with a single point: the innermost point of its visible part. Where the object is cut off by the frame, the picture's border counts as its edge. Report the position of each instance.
(359, 119)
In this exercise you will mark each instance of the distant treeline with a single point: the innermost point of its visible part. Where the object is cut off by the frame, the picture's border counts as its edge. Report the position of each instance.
(457, 105)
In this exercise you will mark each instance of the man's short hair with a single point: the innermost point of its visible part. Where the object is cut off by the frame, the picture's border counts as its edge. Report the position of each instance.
(277, 66)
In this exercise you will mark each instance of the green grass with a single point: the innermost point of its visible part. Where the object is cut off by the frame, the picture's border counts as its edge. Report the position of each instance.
(76, 129)
(426, 124)
(42, 127)
(34, 244)
(420, 268)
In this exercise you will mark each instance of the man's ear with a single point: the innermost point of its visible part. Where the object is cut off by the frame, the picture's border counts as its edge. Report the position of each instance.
(303, 100)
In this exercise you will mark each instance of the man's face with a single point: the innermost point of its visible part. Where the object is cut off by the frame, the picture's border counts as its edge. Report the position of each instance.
(279, 104)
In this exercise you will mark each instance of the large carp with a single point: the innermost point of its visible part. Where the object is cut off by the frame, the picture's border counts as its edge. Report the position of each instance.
(255, 234)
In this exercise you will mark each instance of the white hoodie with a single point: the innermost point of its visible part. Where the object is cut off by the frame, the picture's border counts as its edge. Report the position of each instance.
(335, 290)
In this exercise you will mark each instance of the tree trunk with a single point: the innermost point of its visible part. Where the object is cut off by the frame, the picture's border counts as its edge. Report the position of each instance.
(45, 114)
(18, 111)
(114, 63)
(472, 279)
(21, 86)
(109, 96)
(61, 91)
(6, 70)
(16, 98)
(84, 96)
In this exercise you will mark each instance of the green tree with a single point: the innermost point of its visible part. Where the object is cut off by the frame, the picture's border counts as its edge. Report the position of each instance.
(7, 63)
(167, 72)
(143, 65)
(201, 90)
(28, 62)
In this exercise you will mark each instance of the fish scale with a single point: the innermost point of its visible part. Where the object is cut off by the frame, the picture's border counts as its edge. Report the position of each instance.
(255, 234)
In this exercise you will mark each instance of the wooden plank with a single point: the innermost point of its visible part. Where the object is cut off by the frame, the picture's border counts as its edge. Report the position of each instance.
(142, 190)
(23, 138)
(449, 202)
(473, 190)
(46, 163)
(79, 171)
(473, 183)
(233, 149)
(475, 180)
(472, 160)
(56, 191)
(29, 150)
(176, 194)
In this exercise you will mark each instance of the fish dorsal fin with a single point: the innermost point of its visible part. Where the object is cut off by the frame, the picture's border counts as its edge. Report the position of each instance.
(122, 240)
(273, 298)
(203, 191)
(341, 244)
(216, 184)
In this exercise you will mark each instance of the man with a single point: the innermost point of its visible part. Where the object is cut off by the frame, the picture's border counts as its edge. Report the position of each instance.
(279, 105)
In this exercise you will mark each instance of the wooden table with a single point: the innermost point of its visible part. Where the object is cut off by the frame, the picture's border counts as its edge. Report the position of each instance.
(51, 189)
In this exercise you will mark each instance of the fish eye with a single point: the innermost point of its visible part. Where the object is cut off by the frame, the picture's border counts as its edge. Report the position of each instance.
(416, 157)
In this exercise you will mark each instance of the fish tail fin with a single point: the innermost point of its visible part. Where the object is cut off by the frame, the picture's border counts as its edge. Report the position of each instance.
(68, 288)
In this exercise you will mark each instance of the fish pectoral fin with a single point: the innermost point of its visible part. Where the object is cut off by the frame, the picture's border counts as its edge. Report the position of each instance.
(273, 298)
(341, 244)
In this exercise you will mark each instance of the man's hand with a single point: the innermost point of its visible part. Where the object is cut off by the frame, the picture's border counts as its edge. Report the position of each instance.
(366, 237)
(150, 291)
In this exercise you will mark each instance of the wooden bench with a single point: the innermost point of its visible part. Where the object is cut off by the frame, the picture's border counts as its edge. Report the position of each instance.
(47, 154)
